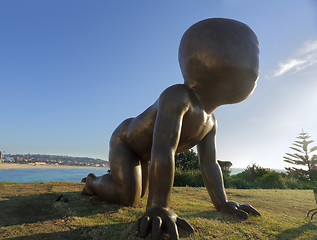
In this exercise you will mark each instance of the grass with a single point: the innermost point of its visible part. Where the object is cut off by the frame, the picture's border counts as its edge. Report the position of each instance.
(7, 182)
(30, 211)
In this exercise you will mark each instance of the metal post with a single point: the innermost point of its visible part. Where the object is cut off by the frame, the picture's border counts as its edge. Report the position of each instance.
(313, 211)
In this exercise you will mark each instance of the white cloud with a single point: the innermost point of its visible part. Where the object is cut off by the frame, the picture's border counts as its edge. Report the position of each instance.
(308, 47)
(288, 65)
(303, 57)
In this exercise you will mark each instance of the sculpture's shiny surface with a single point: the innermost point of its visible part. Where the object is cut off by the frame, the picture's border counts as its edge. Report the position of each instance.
(219, 59)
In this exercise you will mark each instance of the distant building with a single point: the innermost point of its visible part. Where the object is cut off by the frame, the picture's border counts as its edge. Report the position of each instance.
(8, 159)
(40, 163)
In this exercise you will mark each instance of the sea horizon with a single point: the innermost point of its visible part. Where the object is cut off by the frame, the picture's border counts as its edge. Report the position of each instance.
(29, 175)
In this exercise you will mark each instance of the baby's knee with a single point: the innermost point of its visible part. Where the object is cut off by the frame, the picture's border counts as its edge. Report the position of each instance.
(130, 195)
(90, 177)
(88, 190)
(131, 199)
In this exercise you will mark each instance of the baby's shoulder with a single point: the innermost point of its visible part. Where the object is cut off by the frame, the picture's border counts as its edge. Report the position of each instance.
(180, 98)
(176, 96)
(176, 93)
(177, 88)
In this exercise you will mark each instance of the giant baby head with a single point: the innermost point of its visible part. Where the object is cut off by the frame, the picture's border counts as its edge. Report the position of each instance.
(219, 60)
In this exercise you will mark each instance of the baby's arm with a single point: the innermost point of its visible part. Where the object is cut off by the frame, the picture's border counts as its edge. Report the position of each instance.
(212, 177)
(166, 137)
(171, 107)
(210, 169)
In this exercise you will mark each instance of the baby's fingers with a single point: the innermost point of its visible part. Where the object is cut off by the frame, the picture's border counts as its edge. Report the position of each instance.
(144, 226)
(156, 228)
(241, 213)
(172, 229)
(184, 225)
(248, 208)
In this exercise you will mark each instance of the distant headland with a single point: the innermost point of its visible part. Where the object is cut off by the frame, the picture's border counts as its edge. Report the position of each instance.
(49, 161)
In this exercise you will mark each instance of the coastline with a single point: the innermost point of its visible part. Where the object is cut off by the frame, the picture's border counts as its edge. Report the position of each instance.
(15, 165)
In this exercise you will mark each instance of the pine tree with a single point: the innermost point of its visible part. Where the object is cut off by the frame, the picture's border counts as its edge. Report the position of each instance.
(303, 157)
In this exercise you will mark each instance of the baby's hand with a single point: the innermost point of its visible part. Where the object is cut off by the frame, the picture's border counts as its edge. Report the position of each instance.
(241, 210)
(161, 219)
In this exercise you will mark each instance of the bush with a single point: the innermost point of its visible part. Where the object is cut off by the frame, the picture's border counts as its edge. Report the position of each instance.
(188, 178)
(308, 184)
(187, 160)
(238, 181)
(293, 183)
(252, 178)
(270, 180)
(257, 177)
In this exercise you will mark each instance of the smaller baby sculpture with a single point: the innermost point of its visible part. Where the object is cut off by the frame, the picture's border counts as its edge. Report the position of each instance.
(219, 59)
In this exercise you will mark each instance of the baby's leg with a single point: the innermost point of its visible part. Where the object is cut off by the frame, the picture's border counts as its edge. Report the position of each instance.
(123, 185)
(145, 177)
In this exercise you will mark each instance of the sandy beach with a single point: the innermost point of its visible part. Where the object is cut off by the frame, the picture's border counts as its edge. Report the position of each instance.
(15, 165)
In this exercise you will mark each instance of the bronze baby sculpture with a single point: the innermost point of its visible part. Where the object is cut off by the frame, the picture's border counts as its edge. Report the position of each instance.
(219, 60)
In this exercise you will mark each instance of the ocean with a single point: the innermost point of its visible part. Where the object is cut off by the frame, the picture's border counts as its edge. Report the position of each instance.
(28, 175)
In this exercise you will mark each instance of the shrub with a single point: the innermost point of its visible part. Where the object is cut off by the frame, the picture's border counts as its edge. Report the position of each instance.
(188, 178)
(293, 183)
(187, 160)
(270, 180)
(257, 177)
(238, 181)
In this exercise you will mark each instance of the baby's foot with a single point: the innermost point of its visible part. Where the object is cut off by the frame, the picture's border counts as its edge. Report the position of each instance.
(87, 190)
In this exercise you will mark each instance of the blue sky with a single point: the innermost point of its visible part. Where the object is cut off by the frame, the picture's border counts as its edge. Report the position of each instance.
(72, 70)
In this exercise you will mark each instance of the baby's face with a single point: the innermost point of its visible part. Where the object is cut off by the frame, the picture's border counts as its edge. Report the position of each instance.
(230, 84)
(220, 58)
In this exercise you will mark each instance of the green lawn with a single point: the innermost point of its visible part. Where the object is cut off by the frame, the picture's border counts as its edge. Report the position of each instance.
(30, 211)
